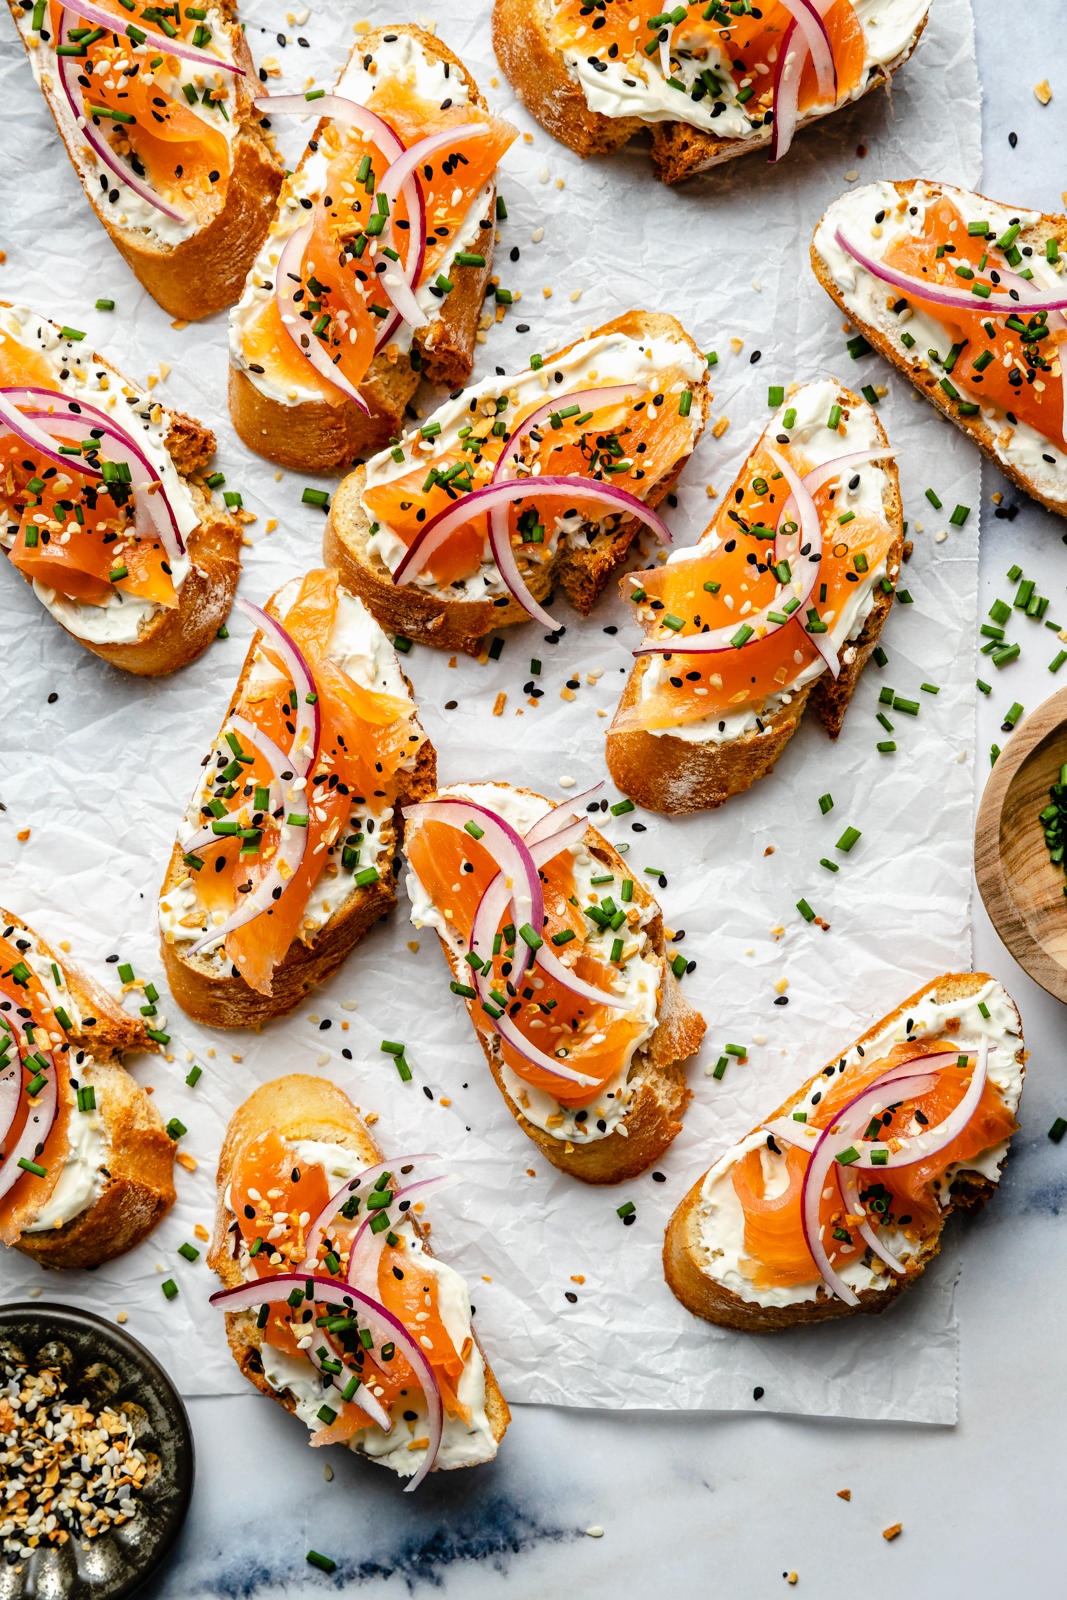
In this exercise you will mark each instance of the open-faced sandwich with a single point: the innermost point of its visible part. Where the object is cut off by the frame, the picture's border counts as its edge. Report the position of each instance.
(154, 105)
(377, 263)
(86, 1165)
(966, 297)
(561, 957)
(522, 482)
(285, 855)
(781, 601)
(710, 81)
(838, 1201)
(105, 504)
(335, 1305)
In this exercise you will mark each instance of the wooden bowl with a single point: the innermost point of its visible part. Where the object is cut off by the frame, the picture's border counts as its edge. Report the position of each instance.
(1021, 888)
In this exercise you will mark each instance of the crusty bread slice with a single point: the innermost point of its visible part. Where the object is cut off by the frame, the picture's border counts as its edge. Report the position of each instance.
(582, 571)
(300, 1107)
(172, 639)
(140, 1189)
(663, 773)
(205, 272)
(225, 1000)
(314, 436)
(683, 1251)
(654, 1119)
(1051, 225)
(538, 73)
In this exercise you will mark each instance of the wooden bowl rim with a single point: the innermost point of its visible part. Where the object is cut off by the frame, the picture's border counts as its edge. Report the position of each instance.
(1049, 718)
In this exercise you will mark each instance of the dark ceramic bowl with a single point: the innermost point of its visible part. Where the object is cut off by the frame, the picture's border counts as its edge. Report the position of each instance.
(104, 1364)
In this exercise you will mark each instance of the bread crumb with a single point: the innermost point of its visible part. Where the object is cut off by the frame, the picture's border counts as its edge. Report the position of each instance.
(236, 1058)
(361, 27)
(769, 850)
(996, 497)
(445, 1101)
(559, 185)
(530, 1173)
(577, 1277)
(122, 1316)
(576, 294)
(413, 946)
(494, 83)
(757, 286)
(184, 1159)
(200, 1231)
(720, 427)
(527, 138)
(451, 661)
(64, 945)
(738, 345)
(781, 986)
(180, 324)
(711, 492)
(371, 1118)
(844, 1494)
(891, 1533)
(601, 713)
(22, 835)
(547, 293)
(1043, 92)
(486, 1278)
(567, 694)
(791, 1577)
(499, 704)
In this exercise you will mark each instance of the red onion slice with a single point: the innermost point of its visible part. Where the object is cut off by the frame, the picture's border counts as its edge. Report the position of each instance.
(856, 1207)
(366, 1249)
(561, 816)
(340, 109)
(809, 20)
(38, 1126)
(69, 68)
(155, 41)
(587, 399)
(364, 1397)
(24, 425)
(288, 277)
(402, 175)
(35, 395)
(271, 753)
(508, 850)
(10, 1090)
(370, 1175)
(814, 480)
(504, 555)
(792, 54)
(436, 532)
(936, 294)
(305, 743)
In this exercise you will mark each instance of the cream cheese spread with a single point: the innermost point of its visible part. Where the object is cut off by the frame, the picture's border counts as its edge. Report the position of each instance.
(359, 647)
(432, 79)
(127, 210)
(77, 373)
(639, 983)
(602, 361)
(869, 300)
(819, 444)
(721, 1218)
(637, 87)
(463, 1444)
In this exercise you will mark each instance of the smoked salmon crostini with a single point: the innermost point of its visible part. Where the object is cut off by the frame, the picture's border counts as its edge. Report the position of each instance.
(335, 1304)
(154, 105)
(86, 1165)
(285, 855)
(711, 82)
(106, 502)
(563, 962)
(780, 603)
(966, 297)
(518, 483)
(837, 1203)
(378, 260)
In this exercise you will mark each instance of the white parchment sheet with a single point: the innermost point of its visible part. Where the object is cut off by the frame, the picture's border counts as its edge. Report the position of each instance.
(101, 774)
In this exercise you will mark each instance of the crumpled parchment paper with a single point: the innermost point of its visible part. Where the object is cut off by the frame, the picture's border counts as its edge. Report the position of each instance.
(101, 775)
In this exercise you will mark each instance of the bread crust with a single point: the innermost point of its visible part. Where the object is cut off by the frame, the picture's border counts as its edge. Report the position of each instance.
(683, 1251)
(664, 773)
(204, 273)
(140, 1190)
(581, 572)
(315, 436)
(655, 1116)
(539, 76)
(1049, 225)
(300, 1108)
(226, 1000)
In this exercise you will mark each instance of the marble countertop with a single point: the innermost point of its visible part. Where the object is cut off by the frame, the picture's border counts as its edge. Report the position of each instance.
(711, 1503)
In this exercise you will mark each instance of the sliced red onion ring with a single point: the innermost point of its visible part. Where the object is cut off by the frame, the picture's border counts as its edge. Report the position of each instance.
(288, 278)
(364, 1398)
(508, 850)
(123, 448)
(814, 480)
(10, 1088)
(366, 1249)
(340, 109)
(792, 54)
(269, 1291)
(435, 533)
(69, 68)
(36, 395)
(587, 399)
(369, 1176)
(38, 1126)
(172, 47)
(917, 1147)
(24, 425)
(305, 743)
(809, 20)
(261, 898)
(937, 294)
(403, 176)
(271, 753)
(560, 816)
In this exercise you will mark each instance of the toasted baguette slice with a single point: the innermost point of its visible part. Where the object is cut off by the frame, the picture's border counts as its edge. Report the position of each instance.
(205, 271)
(32, 349)
(300, 1108)
(217, 995)
(686, 1258)
(552, 94)
(674, 775)
(1038, 465)
(656, 1077)
(138, 1189)
(314, 435)
(582, 569)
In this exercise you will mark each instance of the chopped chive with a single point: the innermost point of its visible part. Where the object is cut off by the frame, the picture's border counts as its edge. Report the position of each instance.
(930, 688)
(468, 258)
(805, 911)
(835, 416)
(621, 807)
(994, 752)
(790, 418)
(1057, 661)
(63, 1020)
(627, 1209)
(909, 707)
(368, 876)
(501, 209)
(721, 1066)
(1013, 715)
(169, 1288)
(903, 596)
(870, 394)
(959, 516)
(194, 1076)
(678, 966)
(315, 497)
(831, 865)
(775, 395)
(886, 746)
(987, 688)
(857, 347)
(465, 989)
(845, 1158)
(189, 1251)
(176, 1129)
(848, 839)
(934, 501)
(880, 656)
(826, 803)
(473, 829)
(627, 890)
(1058, 1129)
